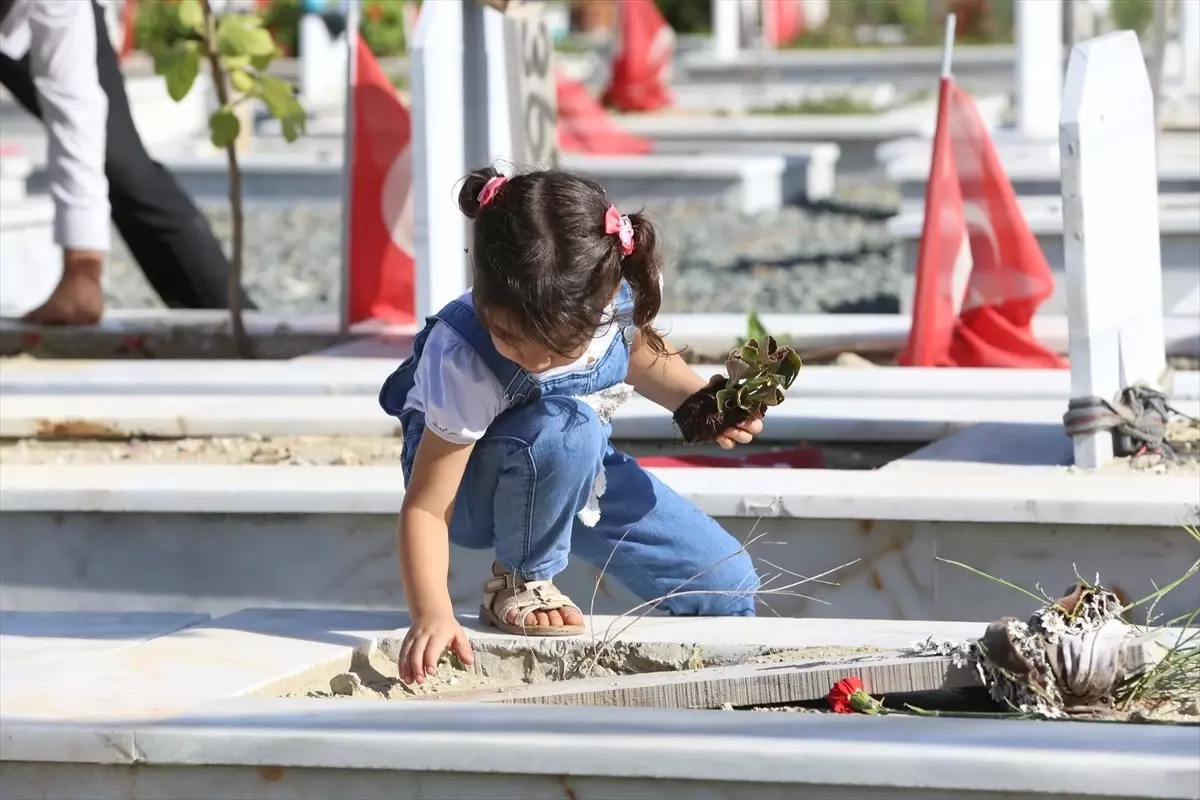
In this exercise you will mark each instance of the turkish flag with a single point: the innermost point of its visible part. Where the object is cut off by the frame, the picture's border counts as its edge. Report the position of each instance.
(783, 21)
(981, 274)
(585, 127)
(381, 250)
(642, 53)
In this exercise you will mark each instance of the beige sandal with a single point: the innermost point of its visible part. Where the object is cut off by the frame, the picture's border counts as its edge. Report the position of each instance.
(524, 597)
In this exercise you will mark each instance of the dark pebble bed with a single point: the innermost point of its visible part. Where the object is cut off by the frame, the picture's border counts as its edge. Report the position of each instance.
(833, 258)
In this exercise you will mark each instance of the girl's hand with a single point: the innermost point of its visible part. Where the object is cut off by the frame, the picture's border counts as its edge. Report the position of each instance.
(424, 644)
(738, 434)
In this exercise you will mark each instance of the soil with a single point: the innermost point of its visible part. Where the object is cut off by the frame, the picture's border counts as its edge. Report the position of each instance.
(499, 667)
(1184, 437)
(353, 451)
(700, 420)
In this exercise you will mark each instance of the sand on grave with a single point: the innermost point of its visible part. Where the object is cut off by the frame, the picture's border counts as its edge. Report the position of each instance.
(375, 676)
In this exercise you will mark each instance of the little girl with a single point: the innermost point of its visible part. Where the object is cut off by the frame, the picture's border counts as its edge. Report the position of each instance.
(505, 406)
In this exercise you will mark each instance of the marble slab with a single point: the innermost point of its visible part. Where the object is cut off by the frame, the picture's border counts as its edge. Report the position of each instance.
(244, 652)
(359, 368)
(1036, 495)
(202, 334)
(35, 645)
(179, 702)
(826, 419)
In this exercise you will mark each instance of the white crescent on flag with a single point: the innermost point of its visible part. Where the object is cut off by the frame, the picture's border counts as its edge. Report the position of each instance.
(396, 205)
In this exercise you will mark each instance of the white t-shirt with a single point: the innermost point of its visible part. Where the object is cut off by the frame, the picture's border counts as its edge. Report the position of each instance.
(60, 38)
(459, 395)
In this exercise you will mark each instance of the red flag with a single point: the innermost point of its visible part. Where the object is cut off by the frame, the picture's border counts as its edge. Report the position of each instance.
(585, 127)
(783, 21)
(642, 52)
(381, 279)
(128, 28)
(799, 458)
(981, 274)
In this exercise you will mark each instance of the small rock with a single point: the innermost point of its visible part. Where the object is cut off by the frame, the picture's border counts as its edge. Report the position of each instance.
(727, 706)
(348, 458)
(1191, 709)
(453, 681)
(347, 684)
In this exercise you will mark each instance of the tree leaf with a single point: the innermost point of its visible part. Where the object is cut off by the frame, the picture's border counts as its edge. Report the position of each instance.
(224, 127)
(280, 99)
(292, 129)
(242, 81)
(261, 62)
(235, 62)
(190, 15)
(243, 35)
(181, 66)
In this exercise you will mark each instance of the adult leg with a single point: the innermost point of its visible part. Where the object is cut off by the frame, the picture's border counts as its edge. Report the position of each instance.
(659, 545)
(524, 484)
(168, 236)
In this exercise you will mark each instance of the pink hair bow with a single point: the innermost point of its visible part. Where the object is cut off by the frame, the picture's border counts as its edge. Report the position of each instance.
(490, 188)
(614, 222)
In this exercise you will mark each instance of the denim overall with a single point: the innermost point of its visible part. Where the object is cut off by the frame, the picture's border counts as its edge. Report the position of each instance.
(535, 469)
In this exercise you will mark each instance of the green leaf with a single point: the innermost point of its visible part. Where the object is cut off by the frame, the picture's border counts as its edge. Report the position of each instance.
(242, 81)
(190, 15)
(788, 368)
(754, 326)
(235, 62)
(180, 65)
(749, 354)
(243, 35)
(292, 129)
(261, 63)
(280, 98)
(225, 127)
(724, 398)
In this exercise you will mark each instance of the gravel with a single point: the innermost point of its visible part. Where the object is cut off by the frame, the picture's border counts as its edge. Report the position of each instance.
(836, 258)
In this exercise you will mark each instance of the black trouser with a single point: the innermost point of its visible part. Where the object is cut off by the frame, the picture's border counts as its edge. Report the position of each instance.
(167, 234)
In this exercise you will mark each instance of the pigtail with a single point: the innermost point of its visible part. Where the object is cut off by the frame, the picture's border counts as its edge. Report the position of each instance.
(643, 270)
(472, 186)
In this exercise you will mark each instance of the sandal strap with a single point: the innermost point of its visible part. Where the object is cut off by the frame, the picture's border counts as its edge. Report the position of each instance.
(526, 596)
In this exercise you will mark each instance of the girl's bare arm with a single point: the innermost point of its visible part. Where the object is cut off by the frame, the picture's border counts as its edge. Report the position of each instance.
(424, 546)
(666, 380)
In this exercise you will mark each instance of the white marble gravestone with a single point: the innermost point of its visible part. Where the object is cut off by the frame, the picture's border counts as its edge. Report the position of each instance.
(1110, 227)
(323, 64)
(436, 58)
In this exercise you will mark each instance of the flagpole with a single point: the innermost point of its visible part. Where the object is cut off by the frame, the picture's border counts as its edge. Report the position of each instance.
(348, 164)
(948, 46)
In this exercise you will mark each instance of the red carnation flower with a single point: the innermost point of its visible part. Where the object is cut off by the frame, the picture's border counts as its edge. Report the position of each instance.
(848, 696)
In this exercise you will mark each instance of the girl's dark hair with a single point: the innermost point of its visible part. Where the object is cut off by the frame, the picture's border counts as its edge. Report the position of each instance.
(540, 256)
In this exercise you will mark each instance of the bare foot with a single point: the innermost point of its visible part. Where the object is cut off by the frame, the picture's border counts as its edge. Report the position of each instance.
(536, 619)
(78, 299)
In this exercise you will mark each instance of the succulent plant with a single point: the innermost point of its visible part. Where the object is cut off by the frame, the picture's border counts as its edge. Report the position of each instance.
(758, 376)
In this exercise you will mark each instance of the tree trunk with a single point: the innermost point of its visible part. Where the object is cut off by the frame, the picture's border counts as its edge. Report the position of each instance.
(234, 288)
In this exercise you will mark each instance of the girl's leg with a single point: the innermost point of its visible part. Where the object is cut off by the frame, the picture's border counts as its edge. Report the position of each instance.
(661, 545)
(525, 482)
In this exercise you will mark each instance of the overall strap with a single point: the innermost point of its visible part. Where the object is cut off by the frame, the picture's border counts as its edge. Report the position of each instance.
(461, 318)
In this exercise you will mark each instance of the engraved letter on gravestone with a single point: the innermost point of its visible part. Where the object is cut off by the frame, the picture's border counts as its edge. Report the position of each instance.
(531, 87)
